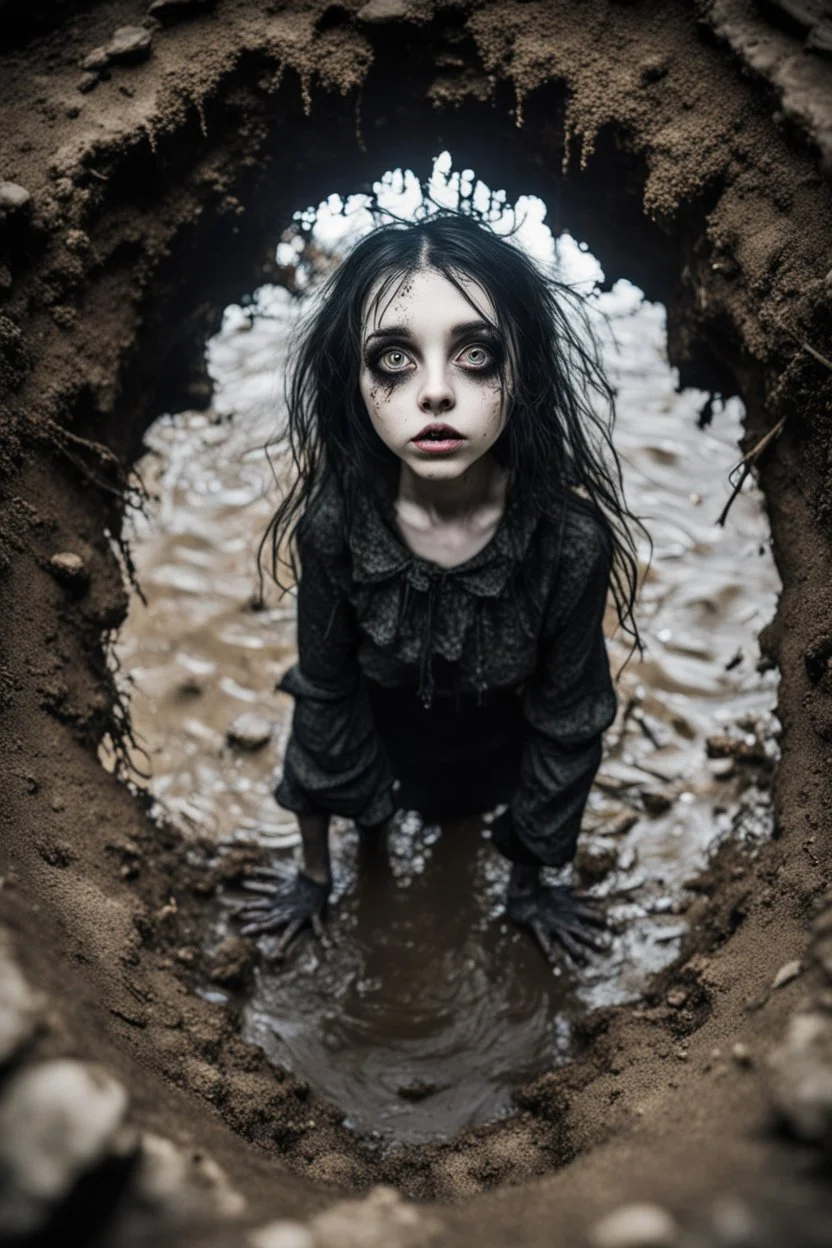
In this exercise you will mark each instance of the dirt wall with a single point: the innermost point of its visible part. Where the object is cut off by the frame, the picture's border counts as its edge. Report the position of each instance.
(155, 182)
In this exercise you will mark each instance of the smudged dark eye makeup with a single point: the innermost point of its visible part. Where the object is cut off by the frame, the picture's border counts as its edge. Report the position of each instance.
(481, 357)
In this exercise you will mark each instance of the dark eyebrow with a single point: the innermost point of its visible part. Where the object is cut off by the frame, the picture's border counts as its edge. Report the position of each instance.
(459, 331)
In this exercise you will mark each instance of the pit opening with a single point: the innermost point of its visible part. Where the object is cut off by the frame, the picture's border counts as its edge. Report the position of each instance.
(432, 1014)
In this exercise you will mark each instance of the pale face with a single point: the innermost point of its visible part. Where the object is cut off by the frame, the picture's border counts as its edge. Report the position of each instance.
(429, 359)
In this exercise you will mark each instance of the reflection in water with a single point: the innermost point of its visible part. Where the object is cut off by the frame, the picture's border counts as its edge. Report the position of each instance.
(430, 1010)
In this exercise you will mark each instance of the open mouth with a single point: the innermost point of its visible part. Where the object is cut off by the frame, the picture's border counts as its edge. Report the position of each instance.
(438, 438)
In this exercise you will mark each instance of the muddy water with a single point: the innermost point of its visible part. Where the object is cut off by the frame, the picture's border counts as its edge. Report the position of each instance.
(430, 1010)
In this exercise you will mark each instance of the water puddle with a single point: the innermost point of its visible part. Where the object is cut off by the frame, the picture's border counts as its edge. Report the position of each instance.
(430, 1010)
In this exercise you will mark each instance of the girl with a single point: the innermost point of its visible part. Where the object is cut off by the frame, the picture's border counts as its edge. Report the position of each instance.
(458, 515)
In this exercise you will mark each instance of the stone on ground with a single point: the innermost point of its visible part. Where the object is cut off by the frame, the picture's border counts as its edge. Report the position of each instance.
(250, 731)
(58, 1120)
(802, 1076)
(636, 1226)
(20, 1005)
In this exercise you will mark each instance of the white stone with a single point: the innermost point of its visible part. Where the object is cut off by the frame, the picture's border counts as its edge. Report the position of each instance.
(20, 1005)
(13, 196)
(787, 972)
(129, 43)
(383, 11)
(802, 1076)
(68, 566)
(281, 1234)
(58, 1120)
(381, 1219)
(250, 731)
(636, 1226)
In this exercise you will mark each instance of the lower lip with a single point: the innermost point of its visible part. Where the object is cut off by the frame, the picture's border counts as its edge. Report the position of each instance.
(435, 446)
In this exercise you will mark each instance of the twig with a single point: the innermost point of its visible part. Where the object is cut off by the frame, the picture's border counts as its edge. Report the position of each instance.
(747, 462)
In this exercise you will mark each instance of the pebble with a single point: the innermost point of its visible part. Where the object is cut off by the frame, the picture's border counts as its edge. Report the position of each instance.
(20, 1005)
(250, 731)
(129, 44)
(656, 801)
(742, 1054)
(802, 1076)
(58, 1120)
(383, 11)
(172, 10)
(281, 1234)
(787, 972)
(69, 568)
(13, 197)
(636, 1226)
(96, 60)
(381, 1219)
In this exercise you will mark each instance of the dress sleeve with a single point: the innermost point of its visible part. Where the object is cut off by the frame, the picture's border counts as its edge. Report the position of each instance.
(567, 705)
(334, 761)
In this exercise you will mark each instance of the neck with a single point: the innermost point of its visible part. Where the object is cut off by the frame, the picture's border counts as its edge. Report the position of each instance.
(483, 482)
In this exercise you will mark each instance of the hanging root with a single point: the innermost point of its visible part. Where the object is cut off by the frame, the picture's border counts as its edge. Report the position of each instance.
(746, 464)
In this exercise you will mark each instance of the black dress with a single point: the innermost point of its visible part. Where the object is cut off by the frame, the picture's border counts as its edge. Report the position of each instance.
(448, 690)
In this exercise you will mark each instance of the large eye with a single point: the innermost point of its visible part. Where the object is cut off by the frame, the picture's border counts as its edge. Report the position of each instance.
(476, 356)
(394, 360)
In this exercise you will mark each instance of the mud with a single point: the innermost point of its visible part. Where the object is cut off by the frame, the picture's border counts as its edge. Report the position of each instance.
(689, 172)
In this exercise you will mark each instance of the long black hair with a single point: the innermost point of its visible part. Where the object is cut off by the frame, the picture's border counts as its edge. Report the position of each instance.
(558, 433)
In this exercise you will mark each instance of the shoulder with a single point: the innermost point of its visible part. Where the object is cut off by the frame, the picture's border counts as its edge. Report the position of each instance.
(322, 529)
(585, 549)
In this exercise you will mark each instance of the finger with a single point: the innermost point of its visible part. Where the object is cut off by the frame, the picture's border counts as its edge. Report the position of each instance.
(542, 938)
(258, 886)
(571, 946)
(583, 937)
(588, 913)
(271, 923)
(286, 939)
(320, 931)
(271, 873)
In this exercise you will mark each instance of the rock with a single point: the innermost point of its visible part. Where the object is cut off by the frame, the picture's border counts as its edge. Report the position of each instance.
(281, 1234)
(129, 45)
(231, 962)
(383, 11)
(88, 83)
(250, 731)
(13, 198)
(636, 1226)
(742, 1055)
(96, 60)
(656, 801)
(380, 1220)
(58, 1120)
(167, 11)
(802, 1076)
(69, 568)
(787, 972)
(20, 1005)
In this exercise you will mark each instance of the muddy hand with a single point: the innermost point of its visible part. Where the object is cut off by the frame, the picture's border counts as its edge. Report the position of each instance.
(285, 902)
(557, 916)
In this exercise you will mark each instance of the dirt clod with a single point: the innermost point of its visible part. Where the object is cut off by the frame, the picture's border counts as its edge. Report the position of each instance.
(802, 1076)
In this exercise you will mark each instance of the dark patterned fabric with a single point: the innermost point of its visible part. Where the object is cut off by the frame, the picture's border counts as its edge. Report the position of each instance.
(522, 617)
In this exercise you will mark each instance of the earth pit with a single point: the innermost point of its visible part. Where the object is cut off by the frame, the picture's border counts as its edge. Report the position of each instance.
(695, 179)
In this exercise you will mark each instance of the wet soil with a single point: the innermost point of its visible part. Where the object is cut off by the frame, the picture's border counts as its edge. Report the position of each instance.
(689, 175)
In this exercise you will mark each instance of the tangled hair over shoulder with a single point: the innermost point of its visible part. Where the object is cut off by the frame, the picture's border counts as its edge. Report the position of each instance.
(558, 433)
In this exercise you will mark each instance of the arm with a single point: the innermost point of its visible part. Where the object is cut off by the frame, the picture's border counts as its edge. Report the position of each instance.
(568, 704)
(334, 760)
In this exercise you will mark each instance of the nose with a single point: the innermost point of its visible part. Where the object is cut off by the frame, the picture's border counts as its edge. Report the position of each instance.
(436, 394)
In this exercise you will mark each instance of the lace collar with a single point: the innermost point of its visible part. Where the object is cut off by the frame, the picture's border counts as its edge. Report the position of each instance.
(379, 552)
